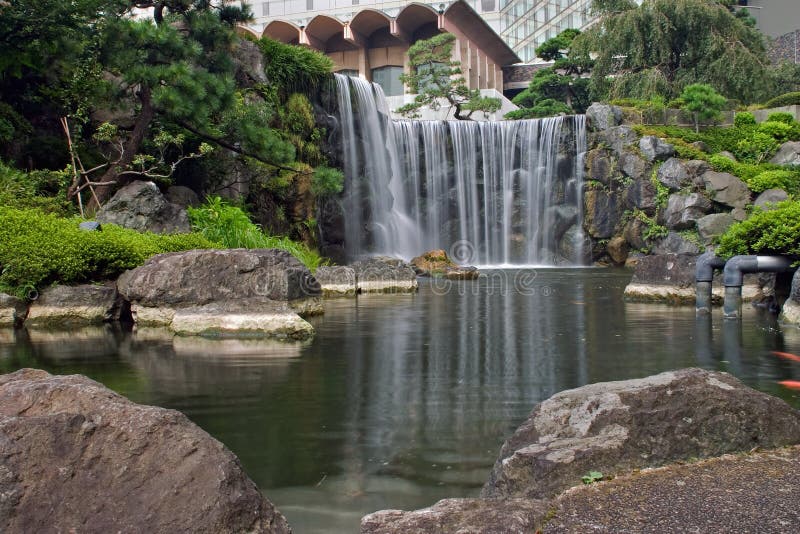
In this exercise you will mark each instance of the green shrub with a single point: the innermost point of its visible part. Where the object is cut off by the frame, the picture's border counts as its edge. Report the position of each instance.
(45, 190)
(786, 99)
(775, 179)
(545, 108)
(744, 119)
(38, 248)
(326, 181)
(294, 68)
(780, 131)
(230, 226)
(765, 232)
(757, 147)
(781, 116)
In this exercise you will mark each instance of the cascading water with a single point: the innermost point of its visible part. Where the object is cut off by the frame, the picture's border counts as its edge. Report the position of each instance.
(488, 192)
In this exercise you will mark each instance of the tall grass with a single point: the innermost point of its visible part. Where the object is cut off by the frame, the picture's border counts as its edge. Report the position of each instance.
(229, 226)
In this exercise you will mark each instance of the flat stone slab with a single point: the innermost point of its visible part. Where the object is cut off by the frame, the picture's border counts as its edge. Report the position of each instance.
(63, 306)
(733, 493)
(385, 275)
(241, 318)
(12, 310)
(337, 281)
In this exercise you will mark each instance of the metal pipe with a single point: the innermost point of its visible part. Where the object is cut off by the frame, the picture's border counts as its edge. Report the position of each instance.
(733, 278)
(704, 274)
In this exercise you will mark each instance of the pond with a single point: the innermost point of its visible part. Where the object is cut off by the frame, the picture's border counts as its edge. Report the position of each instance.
(401, 400)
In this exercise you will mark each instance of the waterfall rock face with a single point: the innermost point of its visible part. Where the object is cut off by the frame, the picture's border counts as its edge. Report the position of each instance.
(483, 191)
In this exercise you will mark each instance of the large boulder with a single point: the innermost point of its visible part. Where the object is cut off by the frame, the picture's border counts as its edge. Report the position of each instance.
(603, 213)
(182, 196)
(12, 310)
(683, 211)
(600, 165)
(714, 225)
(673, 174)
(675, 243)
(385, 275)
(141, 206)
(615, 427)
(463, 516)
(769, 197)
(655, 149)
(632, 165)
(788, 154)
(336, 281)
(791, 308)
(619, 138)
(64, 306)
(726, 189)
(602, 116)
(663, 278)
(77, 457)
(255, 287)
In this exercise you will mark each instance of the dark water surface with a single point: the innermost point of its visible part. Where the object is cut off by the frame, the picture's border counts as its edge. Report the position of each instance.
(402, 400)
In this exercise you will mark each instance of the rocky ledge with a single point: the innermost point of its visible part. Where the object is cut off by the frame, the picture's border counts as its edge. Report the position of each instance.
(262, 292)
(619, 428)
(76, 457)
(385, 275)
(438, 264)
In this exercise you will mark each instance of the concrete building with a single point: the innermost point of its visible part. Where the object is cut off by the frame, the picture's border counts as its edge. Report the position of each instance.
(780, 21)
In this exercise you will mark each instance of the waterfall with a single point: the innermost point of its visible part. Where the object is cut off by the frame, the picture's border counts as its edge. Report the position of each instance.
(489, 193)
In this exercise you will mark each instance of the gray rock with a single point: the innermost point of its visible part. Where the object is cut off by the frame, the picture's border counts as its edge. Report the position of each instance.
(574, 247)
(603, 213)
(560, 219)
(249, 62)
(675, 243)
(465, 516)
(641, 194)
(726, 189)
(75, 305)
(182, 196)
(655, 149)
(770, 196)
(90, 226)
(616, 427)
(739, 214)
(617, 249)
(714, 225)
(632, 165)
(337, 281)
(78, 457)
(618, 138)
(141, 206)
(12, 310)
(683, 211)
(385, 275)
(241, 318)
(788, 154)
(791, 308)
(600, 165)
(700, 145)
(695, 169)
(673, 174)
(671, 269)
(726, 154)
(634, 233)
(602, 116)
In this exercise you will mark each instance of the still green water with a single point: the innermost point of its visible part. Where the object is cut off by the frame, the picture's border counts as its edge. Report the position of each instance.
(401, 400)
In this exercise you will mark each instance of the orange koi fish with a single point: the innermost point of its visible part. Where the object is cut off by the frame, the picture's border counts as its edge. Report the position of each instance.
(786, 356)
(791, 384)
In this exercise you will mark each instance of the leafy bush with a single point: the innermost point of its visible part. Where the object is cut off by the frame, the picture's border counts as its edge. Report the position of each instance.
(294, 67)
(545, 108)
(744, 119)
(38, 248)
(230, 226)
(775, 179)
(780, 131)
(326, 181)
(765, 232)
(756, 148)
(786, 99)
(781, 116)
(45, 190)
(744, 171)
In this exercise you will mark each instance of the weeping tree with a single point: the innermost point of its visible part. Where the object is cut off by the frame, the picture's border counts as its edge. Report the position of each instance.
(437, 79)
(662, 46)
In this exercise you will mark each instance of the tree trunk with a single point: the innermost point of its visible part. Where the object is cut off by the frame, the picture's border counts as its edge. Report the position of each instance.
(130, 148)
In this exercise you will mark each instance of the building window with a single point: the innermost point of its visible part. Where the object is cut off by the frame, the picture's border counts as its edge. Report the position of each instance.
(265, 9)
(389, 79)
(488, 5)
(309, 5)
(353, 73)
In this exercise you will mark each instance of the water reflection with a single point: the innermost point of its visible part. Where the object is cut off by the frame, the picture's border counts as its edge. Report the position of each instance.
(401, 400)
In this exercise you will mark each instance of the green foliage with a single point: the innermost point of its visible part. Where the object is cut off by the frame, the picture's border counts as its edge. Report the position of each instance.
(326, 181)
(787, 180)
(786, 99)
(38, 248)
(765, 232)
(230, 226)
(703, 101)
(781, 116)
(756, 148)
(562, 88)
(780, 131)
(662, 46)
(437, 79)
(745, 171)
(294, 68)
(744, 119)
(652, 230)
(592, 477)
(38, 189)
